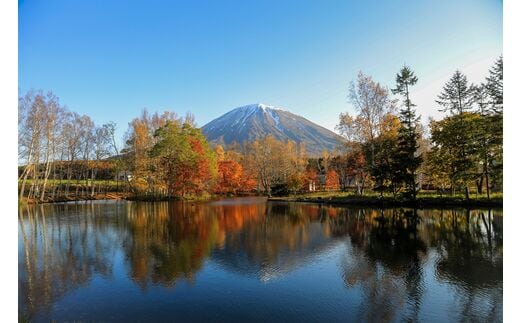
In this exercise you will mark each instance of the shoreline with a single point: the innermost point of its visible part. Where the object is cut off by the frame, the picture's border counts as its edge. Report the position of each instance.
(62, 199)
(423, 202)
(116, 196)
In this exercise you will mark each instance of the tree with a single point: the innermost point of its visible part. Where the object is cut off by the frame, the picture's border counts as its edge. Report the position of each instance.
(202, 178)
(332, 180)
(260, 154)
(437, 166)
(348, 127)
(140, 140)
(87, 129)
(372, 103)
(373, 106)
(386, 169)
(39, 137)
(494, 85)
(230, 176)
(234, 165)
(55, 143)
(102, 138)
(73, 134)
(185, 162)
(31, 109)
(356, 168)
(484, 133)
(278, 164)
(407, 159)
(468, 143)
(52, 117)
(454, 148)
(457, 97)
(488, 97)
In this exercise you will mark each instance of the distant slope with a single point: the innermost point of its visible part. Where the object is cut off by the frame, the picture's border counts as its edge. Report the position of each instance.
(256, 121)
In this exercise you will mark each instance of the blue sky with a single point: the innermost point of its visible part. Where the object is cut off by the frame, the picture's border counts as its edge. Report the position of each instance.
(111, 59)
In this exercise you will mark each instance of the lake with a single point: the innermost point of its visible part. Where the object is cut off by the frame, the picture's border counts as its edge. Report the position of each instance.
(246, 259)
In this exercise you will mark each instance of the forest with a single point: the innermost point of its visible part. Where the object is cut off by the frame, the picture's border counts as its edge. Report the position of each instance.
(387, 150)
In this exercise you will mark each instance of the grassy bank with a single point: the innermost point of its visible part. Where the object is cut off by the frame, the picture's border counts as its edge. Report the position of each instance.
(72, 197)
(370, 198)
(118, 196)
(424, 199)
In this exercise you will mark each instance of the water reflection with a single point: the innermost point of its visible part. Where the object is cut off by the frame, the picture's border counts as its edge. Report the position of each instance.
(390, 262)
(385, 261)
(167, 242)
(277, 240)
(59, 254)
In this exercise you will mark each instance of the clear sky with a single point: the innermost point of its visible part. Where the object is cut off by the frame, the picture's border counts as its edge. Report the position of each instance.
(111, 59)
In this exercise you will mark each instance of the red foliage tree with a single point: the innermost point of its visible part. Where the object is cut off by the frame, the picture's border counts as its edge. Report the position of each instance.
(229, 176)
(332, 180)
(310, 177)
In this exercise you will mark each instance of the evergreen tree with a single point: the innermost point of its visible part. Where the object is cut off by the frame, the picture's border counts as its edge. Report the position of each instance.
(494, 120)
(494, 85)
(483, 133)
(456, 139)
(407, 159)
(457, 97)
(489, 99)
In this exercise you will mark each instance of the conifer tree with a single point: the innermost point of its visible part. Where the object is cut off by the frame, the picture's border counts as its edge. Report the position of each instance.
(494, 85)
(493, 120)
(407, 160)
(457, 97)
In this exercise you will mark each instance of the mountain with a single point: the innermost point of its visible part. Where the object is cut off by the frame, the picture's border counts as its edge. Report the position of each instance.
(256, 121)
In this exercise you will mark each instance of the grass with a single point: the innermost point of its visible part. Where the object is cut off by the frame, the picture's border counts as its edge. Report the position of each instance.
(370, 193)
(424, 199)
(76, 182)
(430, 198)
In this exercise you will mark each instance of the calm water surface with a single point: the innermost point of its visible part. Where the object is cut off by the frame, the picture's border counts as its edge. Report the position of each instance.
(248, 260)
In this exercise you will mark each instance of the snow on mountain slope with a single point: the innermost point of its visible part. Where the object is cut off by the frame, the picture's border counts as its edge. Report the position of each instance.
(256, 121)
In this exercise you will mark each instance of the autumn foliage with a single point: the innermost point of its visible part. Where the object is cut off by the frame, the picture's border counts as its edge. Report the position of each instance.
(230, 175)
(64, 155)
(170, 157)
(332, 180)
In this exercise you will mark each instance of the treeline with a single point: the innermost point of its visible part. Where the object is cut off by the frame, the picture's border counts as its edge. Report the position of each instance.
(169, 157)
(388, 150)
(65, 155)
(61, 151)
(391, 151)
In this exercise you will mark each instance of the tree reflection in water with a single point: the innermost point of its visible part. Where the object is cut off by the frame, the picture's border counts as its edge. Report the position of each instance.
(387, 252)
(59, 254)
(281, 238)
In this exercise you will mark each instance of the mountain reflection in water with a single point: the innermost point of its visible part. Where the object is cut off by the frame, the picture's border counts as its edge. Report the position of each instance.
(243, 259)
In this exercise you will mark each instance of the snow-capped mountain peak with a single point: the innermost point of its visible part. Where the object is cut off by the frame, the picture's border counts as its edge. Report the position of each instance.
(254, 121)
